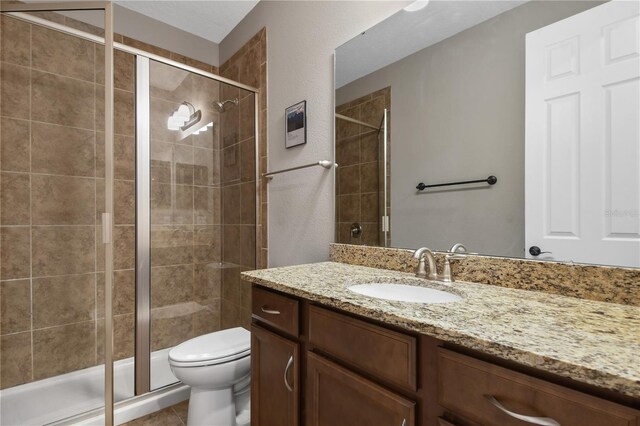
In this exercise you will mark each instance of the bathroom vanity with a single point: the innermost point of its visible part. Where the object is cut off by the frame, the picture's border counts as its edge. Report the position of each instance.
(324, 355)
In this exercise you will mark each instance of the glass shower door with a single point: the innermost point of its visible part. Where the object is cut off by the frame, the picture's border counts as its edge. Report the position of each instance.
(52, 196)
(201, 148)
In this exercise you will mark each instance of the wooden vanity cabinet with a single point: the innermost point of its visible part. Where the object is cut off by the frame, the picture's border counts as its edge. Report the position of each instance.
(316, 366)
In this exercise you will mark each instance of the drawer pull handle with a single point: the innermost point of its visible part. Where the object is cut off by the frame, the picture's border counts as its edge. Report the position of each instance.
(286, 374)
(269, 311)
(543, 421)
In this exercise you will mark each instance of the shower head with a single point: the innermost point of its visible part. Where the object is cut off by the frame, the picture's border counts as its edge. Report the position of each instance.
(220, 105)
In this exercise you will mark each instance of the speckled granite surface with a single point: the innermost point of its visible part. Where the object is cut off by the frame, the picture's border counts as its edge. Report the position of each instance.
(599, 283)
(592, 342)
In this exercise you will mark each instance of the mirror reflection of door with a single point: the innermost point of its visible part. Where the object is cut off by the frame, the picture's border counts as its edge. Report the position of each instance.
(583, 137)
(543, 95)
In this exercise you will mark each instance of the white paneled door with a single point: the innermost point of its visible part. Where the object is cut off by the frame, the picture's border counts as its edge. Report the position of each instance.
(582, 179)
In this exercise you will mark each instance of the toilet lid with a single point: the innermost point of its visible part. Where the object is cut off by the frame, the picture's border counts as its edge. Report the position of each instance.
(213, 348)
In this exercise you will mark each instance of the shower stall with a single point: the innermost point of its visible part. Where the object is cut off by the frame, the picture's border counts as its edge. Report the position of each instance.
(127, 212)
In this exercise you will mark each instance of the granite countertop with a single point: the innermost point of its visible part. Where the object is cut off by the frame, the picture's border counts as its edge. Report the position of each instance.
(591, 342)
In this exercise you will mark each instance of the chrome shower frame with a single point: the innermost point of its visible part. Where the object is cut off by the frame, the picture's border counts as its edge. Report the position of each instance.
(143, 203)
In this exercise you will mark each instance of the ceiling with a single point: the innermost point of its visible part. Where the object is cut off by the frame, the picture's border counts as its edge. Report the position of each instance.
(406, 33)
(211, 19)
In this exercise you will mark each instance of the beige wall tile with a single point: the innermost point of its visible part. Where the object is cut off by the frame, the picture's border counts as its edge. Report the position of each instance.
(170, 327)
(14, 145)
(15, 306)
(230, 170)
(247, 127)
(207, 244)
(123, 69)
(231, 248)
(15, 199)
(14, 91)
(230, 122)
(124, 241)
(15, 359)
(248, 203)
(369, 207)
(63, 300)
(349, 208)
(248, 246)
(62, 100)
(171, 285)
(348, 179)
(61, 53)
(206, 205)
(207, 283)
(171, 245)
(124, 200)
(124, 290)
(123, 338)
(231, 204)
(62, 200)
(15, 36)
(62, 250)
(59, 350)
(369, 177)
(62, 150)
(207, 319)
(206, 167)
(15, 252)
(248, 160)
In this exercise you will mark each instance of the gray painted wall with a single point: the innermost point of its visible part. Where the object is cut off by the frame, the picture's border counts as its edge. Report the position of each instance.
(301, 39)
(458, 113)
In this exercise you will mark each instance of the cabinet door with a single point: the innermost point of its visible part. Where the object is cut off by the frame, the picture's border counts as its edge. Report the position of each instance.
(339, 397)
(274, 379)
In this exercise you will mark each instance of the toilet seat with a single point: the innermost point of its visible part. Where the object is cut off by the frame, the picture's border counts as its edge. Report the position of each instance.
(214, 348)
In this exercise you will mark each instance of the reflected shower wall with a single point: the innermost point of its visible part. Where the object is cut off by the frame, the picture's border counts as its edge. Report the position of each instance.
(360, 175)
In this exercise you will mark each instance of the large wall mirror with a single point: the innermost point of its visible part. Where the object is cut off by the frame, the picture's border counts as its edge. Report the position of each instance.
(512, 127)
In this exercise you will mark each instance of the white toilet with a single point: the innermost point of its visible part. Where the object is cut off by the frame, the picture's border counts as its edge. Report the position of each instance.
(217, 366)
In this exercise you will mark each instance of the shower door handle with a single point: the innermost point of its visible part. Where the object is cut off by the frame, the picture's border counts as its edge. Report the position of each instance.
(286, 374)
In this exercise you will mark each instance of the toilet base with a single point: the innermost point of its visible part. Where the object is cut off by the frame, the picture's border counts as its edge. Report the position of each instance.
(211, 407)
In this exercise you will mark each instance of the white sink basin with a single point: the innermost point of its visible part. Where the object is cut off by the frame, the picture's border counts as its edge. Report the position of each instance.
(404, 293)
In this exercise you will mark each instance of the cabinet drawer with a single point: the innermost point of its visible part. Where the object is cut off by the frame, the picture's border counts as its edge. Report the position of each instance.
(386, 354)
(493, 395)
(339, 397)
(276, 310)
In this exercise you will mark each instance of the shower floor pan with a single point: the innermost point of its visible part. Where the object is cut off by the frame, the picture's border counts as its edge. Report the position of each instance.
(57, 399)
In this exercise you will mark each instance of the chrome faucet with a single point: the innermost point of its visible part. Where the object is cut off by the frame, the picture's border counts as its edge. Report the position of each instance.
(425, 255)
(421, 272)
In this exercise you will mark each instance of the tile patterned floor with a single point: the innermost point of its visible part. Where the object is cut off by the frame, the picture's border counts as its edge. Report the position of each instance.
(175, 415)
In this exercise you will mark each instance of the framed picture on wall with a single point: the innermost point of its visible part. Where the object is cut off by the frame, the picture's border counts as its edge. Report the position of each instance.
(296, 125)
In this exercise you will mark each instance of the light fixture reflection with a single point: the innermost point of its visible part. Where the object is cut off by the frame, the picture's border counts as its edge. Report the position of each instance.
(184, 117)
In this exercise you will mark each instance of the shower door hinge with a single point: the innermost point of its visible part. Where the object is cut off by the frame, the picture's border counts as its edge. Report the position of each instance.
(385, 223)
(106, 228)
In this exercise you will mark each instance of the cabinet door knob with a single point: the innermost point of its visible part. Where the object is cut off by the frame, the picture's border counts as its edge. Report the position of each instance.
(286, 374)
(542, 421)
(404, 422)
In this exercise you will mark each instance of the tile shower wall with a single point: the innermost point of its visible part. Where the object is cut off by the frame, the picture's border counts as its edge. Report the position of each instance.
(52, 164)
(52, 186)
(359, 195)
(248, 66)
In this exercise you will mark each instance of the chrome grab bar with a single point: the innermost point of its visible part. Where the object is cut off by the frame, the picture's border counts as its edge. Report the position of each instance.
(286, 371)
(543, 421)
